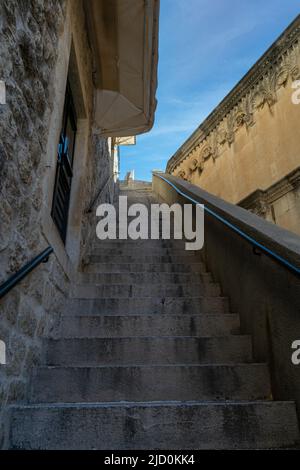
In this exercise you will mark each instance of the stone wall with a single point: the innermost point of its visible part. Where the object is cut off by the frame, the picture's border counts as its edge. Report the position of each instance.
(264, 293)
(37, 38)
(100, 168)
(280, 203)
(29, 34)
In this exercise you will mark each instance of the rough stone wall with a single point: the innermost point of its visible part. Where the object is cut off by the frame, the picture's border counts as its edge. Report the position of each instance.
(29, 33)
(99, 169)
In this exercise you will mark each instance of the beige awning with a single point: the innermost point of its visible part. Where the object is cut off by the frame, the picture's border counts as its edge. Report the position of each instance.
(124, 40)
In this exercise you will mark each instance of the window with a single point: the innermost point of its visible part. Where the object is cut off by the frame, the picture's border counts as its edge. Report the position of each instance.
(64, 168)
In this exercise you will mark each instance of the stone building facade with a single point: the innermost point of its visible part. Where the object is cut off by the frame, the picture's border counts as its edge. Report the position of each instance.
(46, 50)
(247, 151)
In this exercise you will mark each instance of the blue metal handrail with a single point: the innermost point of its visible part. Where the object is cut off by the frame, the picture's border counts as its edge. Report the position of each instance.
(24, 271)
(247, 237)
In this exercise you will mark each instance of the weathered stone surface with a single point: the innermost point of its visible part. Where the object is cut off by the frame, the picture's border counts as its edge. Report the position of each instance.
(139, 381)
(6, 224)
(33, 356)
(11, 307)
(100, 168)
(29, 34)
(3, 391)
(27, 321)
(150, 383)
(155, 425)
(32, 35)
(15, 355)
(2, 435)
(17, 391)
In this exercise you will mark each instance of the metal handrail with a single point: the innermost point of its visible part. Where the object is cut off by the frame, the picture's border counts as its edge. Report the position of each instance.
(89, 209)
(24, 271)
(280, 259)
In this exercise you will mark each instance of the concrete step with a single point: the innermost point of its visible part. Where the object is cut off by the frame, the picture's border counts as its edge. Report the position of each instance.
(155, 425)
(143, 383)
(161, 243)
(146, 250)
(86, 291)
(139, 257)
(147, 305)
(119, 267)
(145, 278)
(148, 350)
(87, 326)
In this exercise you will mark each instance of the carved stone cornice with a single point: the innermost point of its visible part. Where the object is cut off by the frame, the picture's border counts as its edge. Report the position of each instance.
(257, 203)
(260, 201)
(258, 88)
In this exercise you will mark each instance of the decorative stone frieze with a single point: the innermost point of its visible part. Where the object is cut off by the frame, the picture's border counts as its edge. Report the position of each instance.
(260, 202)
(258, 89)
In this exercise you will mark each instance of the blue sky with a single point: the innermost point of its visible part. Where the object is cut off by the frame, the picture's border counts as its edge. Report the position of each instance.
(205, 47)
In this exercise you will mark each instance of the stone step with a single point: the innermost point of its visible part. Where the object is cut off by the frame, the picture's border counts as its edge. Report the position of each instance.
(86, 326)
(148, 350)
(139, 257)
(147, 305)
(145, 278)
(155, 425)
(145, 268)
(146, 250)
(86, 291)
(160, 243)
(143, 383)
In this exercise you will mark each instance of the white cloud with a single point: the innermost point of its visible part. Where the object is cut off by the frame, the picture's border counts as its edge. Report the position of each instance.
(205, 48)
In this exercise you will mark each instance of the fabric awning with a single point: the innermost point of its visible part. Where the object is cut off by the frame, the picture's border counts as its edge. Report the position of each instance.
(124, 41)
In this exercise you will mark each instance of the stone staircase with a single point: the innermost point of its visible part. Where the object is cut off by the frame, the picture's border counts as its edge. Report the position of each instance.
(147, 355)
